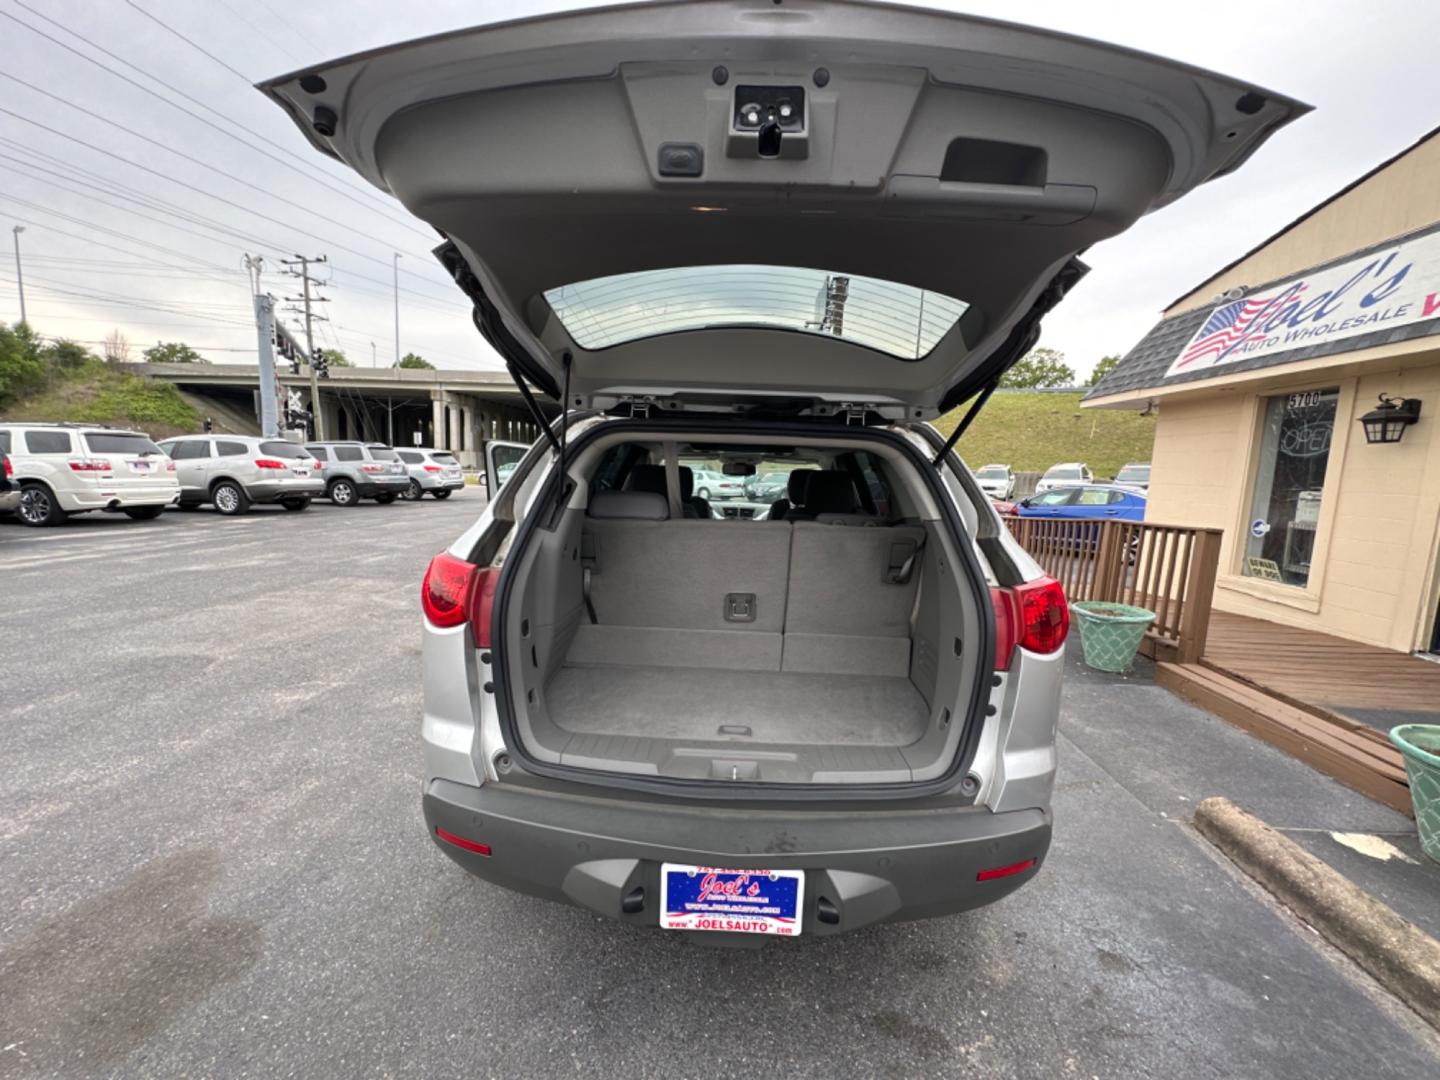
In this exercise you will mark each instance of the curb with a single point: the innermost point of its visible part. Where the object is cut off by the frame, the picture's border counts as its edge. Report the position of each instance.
(1397, 953)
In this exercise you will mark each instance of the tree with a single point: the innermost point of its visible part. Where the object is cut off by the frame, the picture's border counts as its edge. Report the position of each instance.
(67, 355)
(172, 352)
(1103, 368)
(1040, 368)
(412, 361)
(21, 369)
(335, 358)
(117, 348)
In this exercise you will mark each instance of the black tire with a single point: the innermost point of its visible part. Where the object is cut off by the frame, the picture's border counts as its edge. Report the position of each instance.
(229, 498)
(144, 513)
(38, 506)
(386, 499)
(443, 493)
(342, 493)
(295, 503)
(413, 493)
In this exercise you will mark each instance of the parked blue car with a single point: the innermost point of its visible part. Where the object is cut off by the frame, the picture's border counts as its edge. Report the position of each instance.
(1085, 501)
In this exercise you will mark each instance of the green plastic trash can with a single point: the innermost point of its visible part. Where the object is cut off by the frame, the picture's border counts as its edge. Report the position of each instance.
(1420, 745)
(1110, 634)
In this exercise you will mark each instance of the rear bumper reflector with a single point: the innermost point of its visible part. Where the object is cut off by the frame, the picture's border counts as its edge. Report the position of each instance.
(471, 845)
(994, 872)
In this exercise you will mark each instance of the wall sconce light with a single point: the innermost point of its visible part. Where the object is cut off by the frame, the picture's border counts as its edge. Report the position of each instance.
(1387, 422)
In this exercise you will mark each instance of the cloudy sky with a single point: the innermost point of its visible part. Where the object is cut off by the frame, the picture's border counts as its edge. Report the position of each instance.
(137, 212)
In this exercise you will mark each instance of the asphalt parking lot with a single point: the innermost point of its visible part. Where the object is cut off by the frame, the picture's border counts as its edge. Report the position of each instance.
(214, 864)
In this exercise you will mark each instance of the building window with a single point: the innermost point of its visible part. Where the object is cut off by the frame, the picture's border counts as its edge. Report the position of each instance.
(1289, 478)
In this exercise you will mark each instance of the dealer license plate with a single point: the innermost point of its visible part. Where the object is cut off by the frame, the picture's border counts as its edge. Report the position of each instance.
(734, 901)
(140, 466)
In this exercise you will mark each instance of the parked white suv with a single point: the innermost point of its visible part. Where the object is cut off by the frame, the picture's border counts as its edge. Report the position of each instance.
(432, 472)
(997, 481)
(230, 472)
(812, 232)
(1066, 474)
(65, 469)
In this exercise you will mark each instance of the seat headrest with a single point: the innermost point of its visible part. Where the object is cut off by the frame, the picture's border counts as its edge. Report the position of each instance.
(687, 483)
(830, 491)
(632, 505)
(646, 478)
(795, 486)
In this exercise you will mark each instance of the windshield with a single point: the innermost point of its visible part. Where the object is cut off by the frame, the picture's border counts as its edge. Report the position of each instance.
(111, 442)
(992, 472)
(1063, 474)
(896, 319)
(1134, 472)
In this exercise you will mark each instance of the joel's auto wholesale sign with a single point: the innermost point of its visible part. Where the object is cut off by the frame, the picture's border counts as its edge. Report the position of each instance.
(1385, 289)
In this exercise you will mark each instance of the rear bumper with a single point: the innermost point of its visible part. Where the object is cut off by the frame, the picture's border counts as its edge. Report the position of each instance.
(378, 485)
(435, 483)
(104, 497)
(10, 500)
(870, 865)
(274, 490)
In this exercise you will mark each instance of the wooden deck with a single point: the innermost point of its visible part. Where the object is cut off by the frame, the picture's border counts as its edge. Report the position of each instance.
(1324, 699)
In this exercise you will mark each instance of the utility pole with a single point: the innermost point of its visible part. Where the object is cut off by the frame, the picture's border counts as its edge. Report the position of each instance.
(265, 331)
(303, 273)
(20, 281)
(396, 264)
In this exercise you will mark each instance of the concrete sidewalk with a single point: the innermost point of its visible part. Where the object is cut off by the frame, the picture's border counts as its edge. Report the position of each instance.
(1171, 755)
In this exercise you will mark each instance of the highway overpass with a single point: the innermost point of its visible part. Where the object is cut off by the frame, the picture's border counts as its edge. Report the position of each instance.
(453, 410)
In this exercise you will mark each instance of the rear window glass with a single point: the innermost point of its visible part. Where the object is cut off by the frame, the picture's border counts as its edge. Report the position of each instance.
(383, 453)
(106, 442)
(4, 442)
(48, 442)
(1134, 472)
(349, 453)
(897, 319)
(318, 453)
(444, 459)
(410, 457)
(283, 450)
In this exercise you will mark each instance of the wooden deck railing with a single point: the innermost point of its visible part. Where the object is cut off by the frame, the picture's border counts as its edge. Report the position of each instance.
(1167, 569)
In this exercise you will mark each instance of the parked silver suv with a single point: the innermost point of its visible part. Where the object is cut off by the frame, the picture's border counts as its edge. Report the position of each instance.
(846, 713)
(231, 472)
(358, 470)
(432, 472)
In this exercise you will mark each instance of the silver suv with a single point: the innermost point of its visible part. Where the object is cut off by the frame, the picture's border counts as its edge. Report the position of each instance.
(845, 713)
(358, 470)
(432, 472)
(231, 472)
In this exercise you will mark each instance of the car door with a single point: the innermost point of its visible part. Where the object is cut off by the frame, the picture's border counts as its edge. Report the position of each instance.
(192, 466)
(500, 461)
(745, 200)
(1048, 504)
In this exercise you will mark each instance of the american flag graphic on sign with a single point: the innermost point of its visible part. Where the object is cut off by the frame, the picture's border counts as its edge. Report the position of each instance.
(1223, 330)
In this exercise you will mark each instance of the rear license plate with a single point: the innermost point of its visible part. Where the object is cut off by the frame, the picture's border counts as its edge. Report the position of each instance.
(302, 472)
(140, 466)
(735, 901)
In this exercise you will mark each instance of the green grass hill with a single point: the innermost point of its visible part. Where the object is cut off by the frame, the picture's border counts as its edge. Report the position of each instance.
(1032, 431)
(95, 393)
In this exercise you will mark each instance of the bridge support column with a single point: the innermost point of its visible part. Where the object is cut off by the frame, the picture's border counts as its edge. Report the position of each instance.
(437, 420)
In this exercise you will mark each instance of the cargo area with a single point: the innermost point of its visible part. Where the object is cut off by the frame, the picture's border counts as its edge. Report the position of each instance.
(825, 649)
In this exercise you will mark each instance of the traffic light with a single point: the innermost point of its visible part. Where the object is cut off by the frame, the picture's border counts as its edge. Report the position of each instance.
(317, 361)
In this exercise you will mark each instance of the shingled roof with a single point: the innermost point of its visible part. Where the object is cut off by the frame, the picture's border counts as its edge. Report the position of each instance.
(1144, 366)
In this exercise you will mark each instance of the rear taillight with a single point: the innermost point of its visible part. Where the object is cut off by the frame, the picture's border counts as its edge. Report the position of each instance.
(372, 468)
(1033, 616)
(9, 469)
(432, 468)
(89, 465)
(269, 463)
(170, 466)
(456, 591)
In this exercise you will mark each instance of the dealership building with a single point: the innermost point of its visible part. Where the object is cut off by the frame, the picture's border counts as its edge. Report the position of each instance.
(1297, 402)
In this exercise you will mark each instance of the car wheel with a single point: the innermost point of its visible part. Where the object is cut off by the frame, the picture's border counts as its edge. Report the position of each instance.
(443, 493)
(386, 499)
(38, 507)
(229, 498)
(342, 493)
(704, 493)
(295, 504)
(144, 513)
(414, 492)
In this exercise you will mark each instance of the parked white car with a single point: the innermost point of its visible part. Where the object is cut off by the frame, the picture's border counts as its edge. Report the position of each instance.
(1066, 474)
(432, 472)
(1135, 475)
(65, 469)
(230, 472)
(997, 481)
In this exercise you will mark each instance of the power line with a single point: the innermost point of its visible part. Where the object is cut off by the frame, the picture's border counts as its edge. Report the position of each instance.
(230, 175)
(283, 160)
(194, 45)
